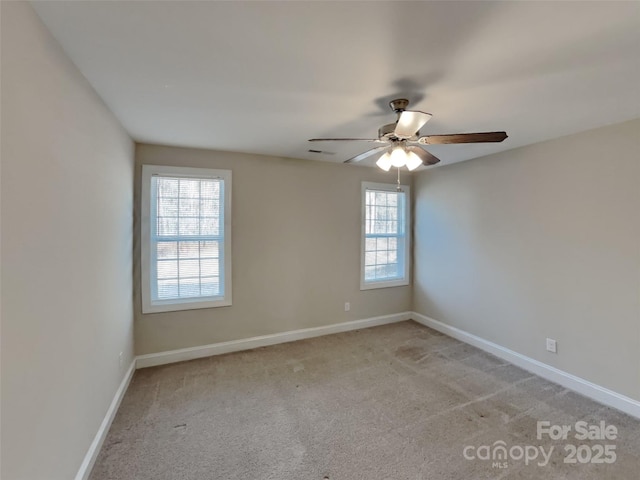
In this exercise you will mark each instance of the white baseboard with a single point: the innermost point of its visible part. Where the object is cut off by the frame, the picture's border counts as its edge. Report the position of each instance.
(567, 380)
(172, 356)
(98, 440)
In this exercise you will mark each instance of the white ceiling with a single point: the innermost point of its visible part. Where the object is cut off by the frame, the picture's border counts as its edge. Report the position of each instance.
(263, 77)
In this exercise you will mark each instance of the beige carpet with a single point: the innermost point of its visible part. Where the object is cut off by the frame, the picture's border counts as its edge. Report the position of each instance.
(394, 402)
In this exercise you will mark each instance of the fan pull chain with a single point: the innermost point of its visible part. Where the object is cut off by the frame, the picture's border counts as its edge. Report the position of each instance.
(398, 187)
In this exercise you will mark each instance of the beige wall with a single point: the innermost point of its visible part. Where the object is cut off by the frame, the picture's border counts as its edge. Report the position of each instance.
(67, 188)
(540, 241)
(296, 251)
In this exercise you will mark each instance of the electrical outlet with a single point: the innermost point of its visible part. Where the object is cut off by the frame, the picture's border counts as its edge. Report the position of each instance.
(120, 359)
(552, 346)
(347, 306)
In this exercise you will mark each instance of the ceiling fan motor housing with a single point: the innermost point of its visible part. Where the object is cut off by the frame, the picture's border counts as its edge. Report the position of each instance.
(387, 132)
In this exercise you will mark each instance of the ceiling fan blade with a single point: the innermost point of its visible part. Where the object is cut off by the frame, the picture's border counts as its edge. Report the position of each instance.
(463, 138)
(409, 122)
(345, 140)
(366, 154)
(426, 157)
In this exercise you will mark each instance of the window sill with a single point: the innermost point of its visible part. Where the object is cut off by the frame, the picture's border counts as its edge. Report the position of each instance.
(173, 306)
(384, 284)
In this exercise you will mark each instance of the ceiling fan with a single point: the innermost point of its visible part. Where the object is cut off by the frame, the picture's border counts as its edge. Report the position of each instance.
(402, 143)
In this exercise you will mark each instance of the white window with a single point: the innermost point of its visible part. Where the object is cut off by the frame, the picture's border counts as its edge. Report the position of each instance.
(385, 236)
(186, 238)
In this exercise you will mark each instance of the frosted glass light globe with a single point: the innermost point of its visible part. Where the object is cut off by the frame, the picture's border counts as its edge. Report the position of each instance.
(384, 162)
(398, 157)
(413, 161)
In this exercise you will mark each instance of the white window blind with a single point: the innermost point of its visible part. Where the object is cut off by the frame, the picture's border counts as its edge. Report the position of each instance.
(187, 238)
(385, 236)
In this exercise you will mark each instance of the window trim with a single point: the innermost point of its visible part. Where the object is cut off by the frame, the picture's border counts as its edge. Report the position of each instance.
(148, 305)
(373, 284)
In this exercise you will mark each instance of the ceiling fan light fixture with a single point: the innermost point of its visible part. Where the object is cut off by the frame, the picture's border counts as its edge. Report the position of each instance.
(384, 162)
(413, 161)
(403, 138)
(398, 157)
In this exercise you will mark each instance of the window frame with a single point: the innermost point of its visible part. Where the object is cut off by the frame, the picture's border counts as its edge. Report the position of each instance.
(405, 280)
(146, 260)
